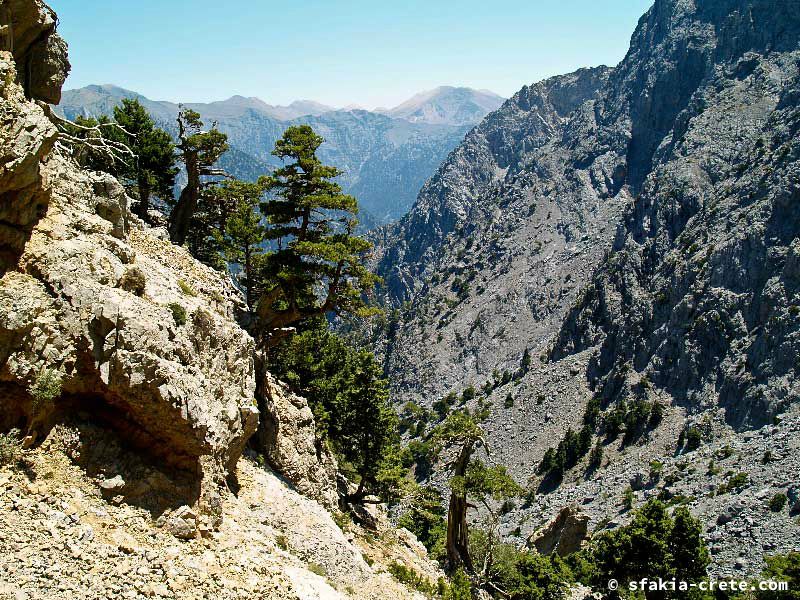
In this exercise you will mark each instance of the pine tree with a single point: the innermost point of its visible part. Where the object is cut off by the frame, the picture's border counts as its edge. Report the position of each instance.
(243, 231)
(349, 397)
(154, 170)
(199, 151)
(311, 223)
(470, 479)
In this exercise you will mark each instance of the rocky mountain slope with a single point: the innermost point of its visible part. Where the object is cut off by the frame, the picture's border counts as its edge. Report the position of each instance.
(386, 158)
(635, 229)
(122, 363)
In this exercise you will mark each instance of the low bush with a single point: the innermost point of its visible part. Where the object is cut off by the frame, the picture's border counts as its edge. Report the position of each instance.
(777, 502)
(178, 314)
(133, 281)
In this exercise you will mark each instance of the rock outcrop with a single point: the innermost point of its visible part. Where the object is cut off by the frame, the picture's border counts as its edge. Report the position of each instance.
(627, 234)
(40, 54)
(97, 313)
(564, 535)
(289, 440)
(26, 139)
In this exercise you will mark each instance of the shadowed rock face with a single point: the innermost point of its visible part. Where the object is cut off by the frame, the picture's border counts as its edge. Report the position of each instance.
(26, 138)
(39, 52)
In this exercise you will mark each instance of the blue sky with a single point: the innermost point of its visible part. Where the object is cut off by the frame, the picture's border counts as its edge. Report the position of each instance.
(338, 52)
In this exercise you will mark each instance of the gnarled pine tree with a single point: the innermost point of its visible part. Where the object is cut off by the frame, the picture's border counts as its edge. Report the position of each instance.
(316, 265)
(199, 150)
(154, 170)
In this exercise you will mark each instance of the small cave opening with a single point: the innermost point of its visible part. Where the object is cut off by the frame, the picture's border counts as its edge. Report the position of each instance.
(100, 436)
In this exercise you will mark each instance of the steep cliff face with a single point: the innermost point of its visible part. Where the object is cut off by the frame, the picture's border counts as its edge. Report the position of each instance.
(635, 229)
(98, 307)
(699, 291)
(35, 57)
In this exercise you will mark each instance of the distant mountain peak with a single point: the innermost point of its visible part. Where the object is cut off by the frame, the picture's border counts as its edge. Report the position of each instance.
(447, 104)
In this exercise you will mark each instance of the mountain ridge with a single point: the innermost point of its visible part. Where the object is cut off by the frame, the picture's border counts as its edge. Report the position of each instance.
(615, 226)
(385, 159)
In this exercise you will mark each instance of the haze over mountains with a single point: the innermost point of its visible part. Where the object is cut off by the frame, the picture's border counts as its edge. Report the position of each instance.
(386, 155)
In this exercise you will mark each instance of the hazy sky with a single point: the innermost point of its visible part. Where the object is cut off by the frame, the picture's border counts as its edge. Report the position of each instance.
(339, 52)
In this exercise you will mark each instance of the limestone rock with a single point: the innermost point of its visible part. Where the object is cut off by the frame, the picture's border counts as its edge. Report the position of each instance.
(564, 535)
(288, 436)
(182, 523)
(183, 393)
(26, 138)
(39, 52)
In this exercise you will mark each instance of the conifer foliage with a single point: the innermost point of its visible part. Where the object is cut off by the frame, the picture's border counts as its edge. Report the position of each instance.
(317, 266)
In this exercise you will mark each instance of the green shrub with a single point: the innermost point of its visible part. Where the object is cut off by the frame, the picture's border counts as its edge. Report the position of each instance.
(468, 394)
(693, 439)
(656, 467)
(628, 498)
(777, 502)
(571, 449)
(654, 544)
(186, 288)
(509, 402)
(10, 448)
(411, 578)
(425, 518)
(317, 569)
(786, 568)
(133, 281)
(45, 389)
(734, 483)
(525, 363)
(591, 415)
(459, 588)
(725, 452)
(178, 313)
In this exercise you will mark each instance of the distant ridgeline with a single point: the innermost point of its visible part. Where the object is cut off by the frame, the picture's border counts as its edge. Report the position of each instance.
(386, 155)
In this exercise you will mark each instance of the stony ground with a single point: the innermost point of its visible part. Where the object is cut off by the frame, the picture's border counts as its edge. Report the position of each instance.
(740, 528)
(60, 538)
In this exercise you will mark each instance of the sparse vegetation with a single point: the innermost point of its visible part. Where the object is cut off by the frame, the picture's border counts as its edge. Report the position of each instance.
(734, 483)
(777, 502)
(45, 389)
(412, 578)
(186, 289)
(628, 498)
(178, 313)
(694, 438)
(133, 281)
(10, 448)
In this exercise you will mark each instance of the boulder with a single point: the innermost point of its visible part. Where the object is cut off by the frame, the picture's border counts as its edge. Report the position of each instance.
(39, 52)
(288, 437)
(182, 523)
(564, 535)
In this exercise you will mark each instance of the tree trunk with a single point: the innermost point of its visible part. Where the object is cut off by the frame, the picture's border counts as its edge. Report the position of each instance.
(184, 210)
(144, 197)
(248, 282)
(457, 530)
